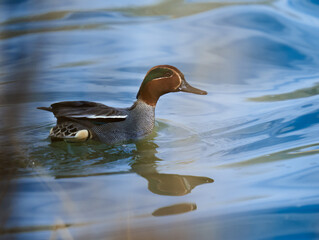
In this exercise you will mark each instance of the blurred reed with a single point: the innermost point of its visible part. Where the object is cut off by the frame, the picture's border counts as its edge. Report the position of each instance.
(19, 67)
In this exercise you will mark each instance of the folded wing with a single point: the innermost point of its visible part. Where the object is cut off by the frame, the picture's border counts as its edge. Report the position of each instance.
(86, 110)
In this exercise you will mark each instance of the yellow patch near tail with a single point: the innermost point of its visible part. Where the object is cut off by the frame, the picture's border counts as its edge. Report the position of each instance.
(80, 136)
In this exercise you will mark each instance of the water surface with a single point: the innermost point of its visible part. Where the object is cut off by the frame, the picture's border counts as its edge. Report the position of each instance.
(239, 163)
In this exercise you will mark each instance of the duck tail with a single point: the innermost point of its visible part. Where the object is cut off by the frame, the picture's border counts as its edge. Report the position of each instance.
(45, 108)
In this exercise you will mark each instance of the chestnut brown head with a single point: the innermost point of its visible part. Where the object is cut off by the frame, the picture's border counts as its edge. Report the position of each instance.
(163, 79)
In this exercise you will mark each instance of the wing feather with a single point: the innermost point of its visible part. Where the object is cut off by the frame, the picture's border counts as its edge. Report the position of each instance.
(87, 110)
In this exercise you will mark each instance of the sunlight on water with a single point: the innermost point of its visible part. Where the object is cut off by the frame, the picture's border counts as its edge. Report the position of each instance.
(239, 163)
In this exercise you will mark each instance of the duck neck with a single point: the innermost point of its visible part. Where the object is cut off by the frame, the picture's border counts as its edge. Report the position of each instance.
(151, 92)
(142, 117)
(143, 108)
(149, 98)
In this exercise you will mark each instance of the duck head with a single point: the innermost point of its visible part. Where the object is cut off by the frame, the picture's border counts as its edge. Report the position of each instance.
(163, 79)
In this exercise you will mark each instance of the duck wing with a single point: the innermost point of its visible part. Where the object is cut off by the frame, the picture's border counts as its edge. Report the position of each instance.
(85, 110)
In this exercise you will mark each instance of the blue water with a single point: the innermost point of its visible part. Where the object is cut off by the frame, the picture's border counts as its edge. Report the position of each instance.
(239, 163)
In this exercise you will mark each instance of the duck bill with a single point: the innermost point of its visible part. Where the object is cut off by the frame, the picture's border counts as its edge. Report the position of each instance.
(185, 87)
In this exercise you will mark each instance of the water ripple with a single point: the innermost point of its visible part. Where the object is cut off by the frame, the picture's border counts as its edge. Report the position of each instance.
(253, 138)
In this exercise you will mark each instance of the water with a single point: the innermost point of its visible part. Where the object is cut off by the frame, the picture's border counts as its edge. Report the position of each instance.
(239, 163)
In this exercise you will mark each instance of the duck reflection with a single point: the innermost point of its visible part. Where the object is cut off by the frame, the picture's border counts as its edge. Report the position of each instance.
(143, 162)
(162, 183)
(71, 160)
(173, 184)
(82, 160)
(175, 209)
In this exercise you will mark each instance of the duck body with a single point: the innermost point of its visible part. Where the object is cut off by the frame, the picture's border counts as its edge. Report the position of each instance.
(79, 121)
(138, 124)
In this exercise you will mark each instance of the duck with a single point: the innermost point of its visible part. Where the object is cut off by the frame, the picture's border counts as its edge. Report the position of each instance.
(79, 121)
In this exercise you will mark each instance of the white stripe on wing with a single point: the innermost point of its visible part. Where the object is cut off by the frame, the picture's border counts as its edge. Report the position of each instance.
(97, 116)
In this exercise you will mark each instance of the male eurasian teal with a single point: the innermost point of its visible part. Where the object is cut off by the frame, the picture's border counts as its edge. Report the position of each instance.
(82, 120)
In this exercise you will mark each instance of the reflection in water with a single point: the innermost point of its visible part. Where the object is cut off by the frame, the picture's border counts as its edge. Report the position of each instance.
(262, 151)
(142, 156)
(175, 209)
(11, 34)
(181, 8)
(173, 184)
(54, 228)
(160, 183)
(172, 8)
(302, 151)
(300, 93)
